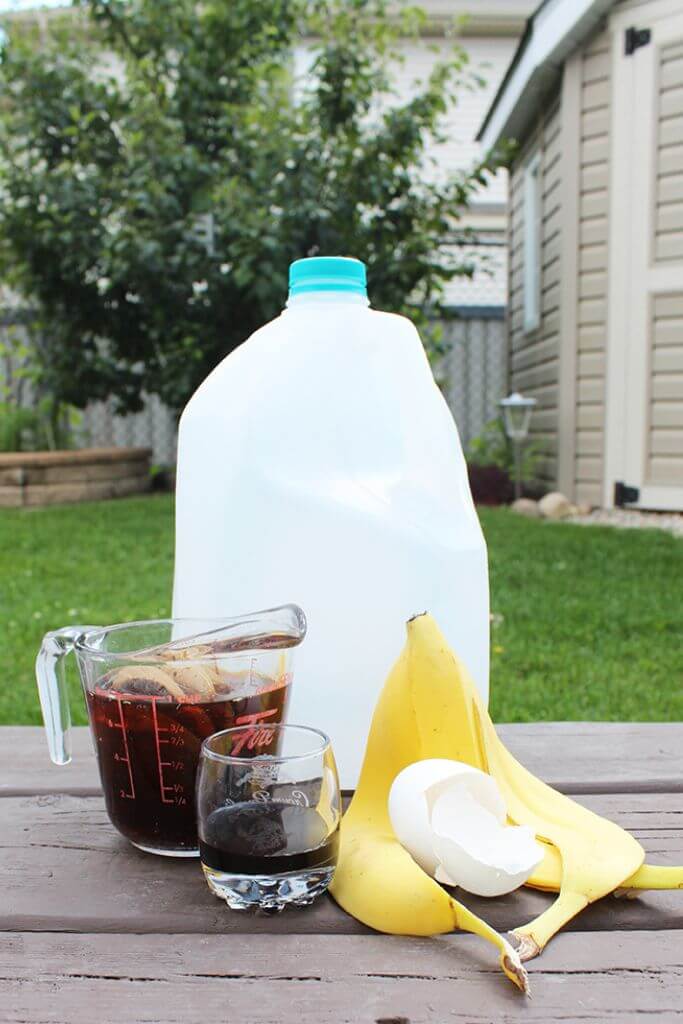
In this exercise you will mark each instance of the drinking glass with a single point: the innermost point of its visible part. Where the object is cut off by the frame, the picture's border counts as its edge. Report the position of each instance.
(268, 823)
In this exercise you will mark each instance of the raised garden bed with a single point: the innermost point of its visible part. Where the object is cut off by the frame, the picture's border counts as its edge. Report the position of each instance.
(50, 478)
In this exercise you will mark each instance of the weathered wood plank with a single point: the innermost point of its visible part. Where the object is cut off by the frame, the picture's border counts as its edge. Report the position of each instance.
(332, 979)
(64, 868)
(26, 765)
(573, 756)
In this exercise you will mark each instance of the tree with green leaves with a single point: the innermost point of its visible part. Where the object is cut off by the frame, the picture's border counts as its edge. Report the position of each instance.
(161, 165)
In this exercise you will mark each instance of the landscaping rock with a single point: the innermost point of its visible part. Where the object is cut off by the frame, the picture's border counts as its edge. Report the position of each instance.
(583, 509)
(555, 506)
(526, 507)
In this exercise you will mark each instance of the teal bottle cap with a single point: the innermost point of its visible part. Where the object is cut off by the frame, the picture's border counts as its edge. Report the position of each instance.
(327, 274)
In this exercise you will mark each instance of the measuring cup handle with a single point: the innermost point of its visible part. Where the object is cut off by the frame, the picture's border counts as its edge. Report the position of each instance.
(54, 698)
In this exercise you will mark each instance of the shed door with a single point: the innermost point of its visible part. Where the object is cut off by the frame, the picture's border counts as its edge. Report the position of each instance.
(646, 364)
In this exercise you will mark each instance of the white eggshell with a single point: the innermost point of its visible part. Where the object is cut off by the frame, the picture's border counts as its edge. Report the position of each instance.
(409, 809)
(476, 851)
(481, 787)
(451, 818)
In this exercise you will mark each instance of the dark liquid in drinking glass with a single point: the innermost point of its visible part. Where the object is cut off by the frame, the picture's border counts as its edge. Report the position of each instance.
(148, 753)
(267, 838)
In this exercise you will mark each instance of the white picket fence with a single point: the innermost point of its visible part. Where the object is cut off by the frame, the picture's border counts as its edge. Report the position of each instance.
(472, 373)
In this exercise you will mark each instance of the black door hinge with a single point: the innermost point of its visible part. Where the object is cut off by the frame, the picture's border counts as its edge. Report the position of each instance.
(634, 38)
(625, 495)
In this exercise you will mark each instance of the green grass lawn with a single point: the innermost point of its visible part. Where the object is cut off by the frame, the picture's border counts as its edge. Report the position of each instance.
(587, 621)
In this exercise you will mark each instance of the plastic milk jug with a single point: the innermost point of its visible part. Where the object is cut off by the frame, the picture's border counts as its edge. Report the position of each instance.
(319, 463)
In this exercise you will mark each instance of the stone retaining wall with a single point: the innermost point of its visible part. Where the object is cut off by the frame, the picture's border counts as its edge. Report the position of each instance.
(89, 474)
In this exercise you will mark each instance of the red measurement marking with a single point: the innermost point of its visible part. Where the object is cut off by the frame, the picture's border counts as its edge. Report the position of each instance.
(160, 763)
(122, 726)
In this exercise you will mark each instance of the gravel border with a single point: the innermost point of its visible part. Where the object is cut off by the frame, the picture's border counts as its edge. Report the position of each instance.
(630, 519)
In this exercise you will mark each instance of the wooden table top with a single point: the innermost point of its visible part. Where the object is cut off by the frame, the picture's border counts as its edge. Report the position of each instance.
(92, 930)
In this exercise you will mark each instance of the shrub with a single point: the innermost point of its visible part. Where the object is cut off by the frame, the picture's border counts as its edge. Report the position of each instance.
(150, 212)
(493, 448)
(490, 485)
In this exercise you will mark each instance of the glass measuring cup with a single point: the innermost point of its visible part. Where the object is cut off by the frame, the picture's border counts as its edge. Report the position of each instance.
(154, 691)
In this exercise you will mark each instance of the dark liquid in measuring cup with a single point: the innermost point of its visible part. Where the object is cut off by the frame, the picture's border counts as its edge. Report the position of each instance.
(255, 838)
(148, 752)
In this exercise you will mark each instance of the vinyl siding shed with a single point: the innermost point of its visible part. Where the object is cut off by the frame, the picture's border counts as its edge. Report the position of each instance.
(594, 99)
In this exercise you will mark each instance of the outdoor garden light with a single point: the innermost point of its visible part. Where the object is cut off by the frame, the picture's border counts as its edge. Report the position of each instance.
(516, 418)
(517, 415)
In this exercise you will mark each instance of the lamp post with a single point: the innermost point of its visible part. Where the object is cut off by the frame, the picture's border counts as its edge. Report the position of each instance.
(516, 418)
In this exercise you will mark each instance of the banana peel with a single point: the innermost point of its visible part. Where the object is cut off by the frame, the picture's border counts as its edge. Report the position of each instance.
(376, 880)
(596, 855)
(430, 708)
(548, 876)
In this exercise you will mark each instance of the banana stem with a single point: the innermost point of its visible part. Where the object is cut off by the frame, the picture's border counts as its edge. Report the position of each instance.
(533, 937)
(510, 959)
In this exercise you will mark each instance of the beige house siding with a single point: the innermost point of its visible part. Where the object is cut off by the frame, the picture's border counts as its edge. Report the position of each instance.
(591, 320)
(534, 356)
(665, 434)
(602, 422)
(668, 220)
(665, 426)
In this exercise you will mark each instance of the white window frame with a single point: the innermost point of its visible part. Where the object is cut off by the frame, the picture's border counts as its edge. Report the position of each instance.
(531, 272)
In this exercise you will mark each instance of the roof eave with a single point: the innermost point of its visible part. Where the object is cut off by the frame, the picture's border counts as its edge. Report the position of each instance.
(553, 32)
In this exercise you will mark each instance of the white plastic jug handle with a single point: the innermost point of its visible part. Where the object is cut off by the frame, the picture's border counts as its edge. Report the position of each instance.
(52, 688)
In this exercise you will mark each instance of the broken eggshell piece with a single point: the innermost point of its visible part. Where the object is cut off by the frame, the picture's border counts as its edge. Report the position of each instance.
(482, 855)
(451, 818)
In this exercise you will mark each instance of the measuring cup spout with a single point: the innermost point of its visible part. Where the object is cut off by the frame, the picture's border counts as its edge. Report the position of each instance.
(52, 689)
